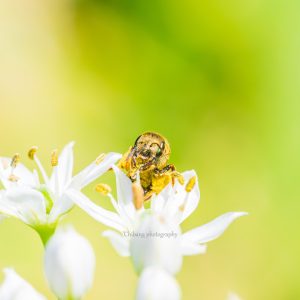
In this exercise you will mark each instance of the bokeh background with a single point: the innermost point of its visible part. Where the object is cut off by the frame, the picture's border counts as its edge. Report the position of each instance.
(220, 79)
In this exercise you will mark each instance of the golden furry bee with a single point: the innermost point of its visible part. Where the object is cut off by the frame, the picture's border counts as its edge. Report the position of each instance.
(149, 157)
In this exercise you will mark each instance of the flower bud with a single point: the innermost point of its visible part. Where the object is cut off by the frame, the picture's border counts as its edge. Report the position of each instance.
(157, 284)
(69, 264)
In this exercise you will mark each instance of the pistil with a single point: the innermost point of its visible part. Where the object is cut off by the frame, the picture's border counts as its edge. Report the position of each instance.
(54, 164)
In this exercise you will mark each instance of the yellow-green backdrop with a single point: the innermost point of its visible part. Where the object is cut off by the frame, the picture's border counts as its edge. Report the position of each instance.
(220, 79)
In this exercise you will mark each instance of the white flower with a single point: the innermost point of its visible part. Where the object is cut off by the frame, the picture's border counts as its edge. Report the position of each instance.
(168, 210)
(69, 264)
(157, 284)
(155, 243)
(16, 288)
(40, 205)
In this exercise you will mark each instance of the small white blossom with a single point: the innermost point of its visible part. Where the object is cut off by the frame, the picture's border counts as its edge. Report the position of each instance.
(16, 288)
(157, 284)
(168, 210)
(69, 264)
(41, 204)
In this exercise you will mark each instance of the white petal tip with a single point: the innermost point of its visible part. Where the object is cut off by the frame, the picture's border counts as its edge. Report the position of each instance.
(241, 214)
(70, 144)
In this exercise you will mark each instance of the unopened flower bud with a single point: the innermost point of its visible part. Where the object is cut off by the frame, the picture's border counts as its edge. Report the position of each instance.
(69, 264)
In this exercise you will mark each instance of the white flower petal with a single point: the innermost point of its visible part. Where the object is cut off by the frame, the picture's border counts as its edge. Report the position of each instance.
(63, 170)
(189, 248)
(174, 202)
(100, 214)
(119, 242)
(60, 207)
(156, 284)
(158, 202)
(124, 195)
(193, 196)
(156, 249)
(8, 210)
(24, 175)
(93, 171)
(26, 202)
(213, 229)
(16, 288)
(69, 264)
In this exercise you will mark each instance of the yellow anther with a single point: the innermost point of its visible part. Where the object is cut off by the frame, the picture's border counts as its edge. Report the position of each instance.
(103, 188)
(32, 151)
(138, 195)
(182, 207)
(13, 178)
(100, 158)
(180, 179)
(190, 184)
(54, 158)
(15, 160)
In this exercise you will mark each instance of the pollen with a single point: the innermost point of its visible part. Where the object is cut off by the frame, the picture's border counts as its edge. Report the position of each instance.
(32, 151)
(54, 158)
(190, 185)
(15, 160)
(100, 158)
(13, 178)
(182, 207)
(103, 188)
(138, 195)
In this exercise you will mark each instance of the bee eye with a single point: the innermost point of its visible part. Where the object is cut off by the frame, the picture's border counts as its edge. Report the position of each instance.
(158, 152)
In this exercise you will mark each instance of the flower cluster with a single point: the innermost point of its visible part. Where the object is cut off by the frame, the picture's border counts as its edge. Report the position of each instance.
(41, 204)
(151, 236)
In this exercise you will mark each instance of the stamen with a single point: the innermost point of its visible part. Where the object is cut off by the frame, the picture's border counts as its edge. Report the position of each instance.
(32, 151)
(190, 185)
(15, 160)
(138, 195)
(13, 178)
(180, 179)
(138, 178)
(103, 188)
(39, 165)
(54, 158)
(100, 158)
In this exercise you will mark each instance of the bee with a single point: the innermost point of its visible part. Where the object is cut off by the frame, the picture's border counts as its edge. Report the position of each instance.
(149, 157)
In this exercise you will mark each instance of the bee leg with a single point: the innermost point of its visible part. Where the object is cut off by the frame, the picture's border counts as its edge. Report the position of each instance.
(148, 194)
(166, 169)
(125, 161)
(171, 170)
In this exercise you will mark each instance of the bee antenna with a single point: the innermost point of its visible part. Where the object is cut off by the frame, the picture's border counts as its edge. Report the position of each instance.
(137, 140)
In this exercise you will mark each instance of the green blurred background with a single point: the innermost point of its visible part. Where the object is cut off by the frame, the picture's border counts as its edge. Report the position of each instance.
(220, 79)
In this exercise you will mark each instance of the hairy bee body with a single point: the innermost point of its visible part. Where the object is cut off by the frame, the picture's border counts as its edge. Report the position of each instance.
(148, 157)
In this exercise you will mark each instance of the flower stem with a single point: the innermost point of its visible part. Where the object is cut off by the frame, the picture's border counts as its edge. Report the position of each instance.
(45, 232)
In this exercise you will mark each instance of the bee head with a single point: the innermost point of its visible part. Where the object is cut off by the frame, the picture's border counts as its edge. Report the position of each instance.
(152, 147)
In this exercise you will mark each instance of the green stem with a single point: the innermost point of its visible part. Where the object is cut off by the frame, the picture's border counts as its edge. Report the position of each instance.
(45, 232)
